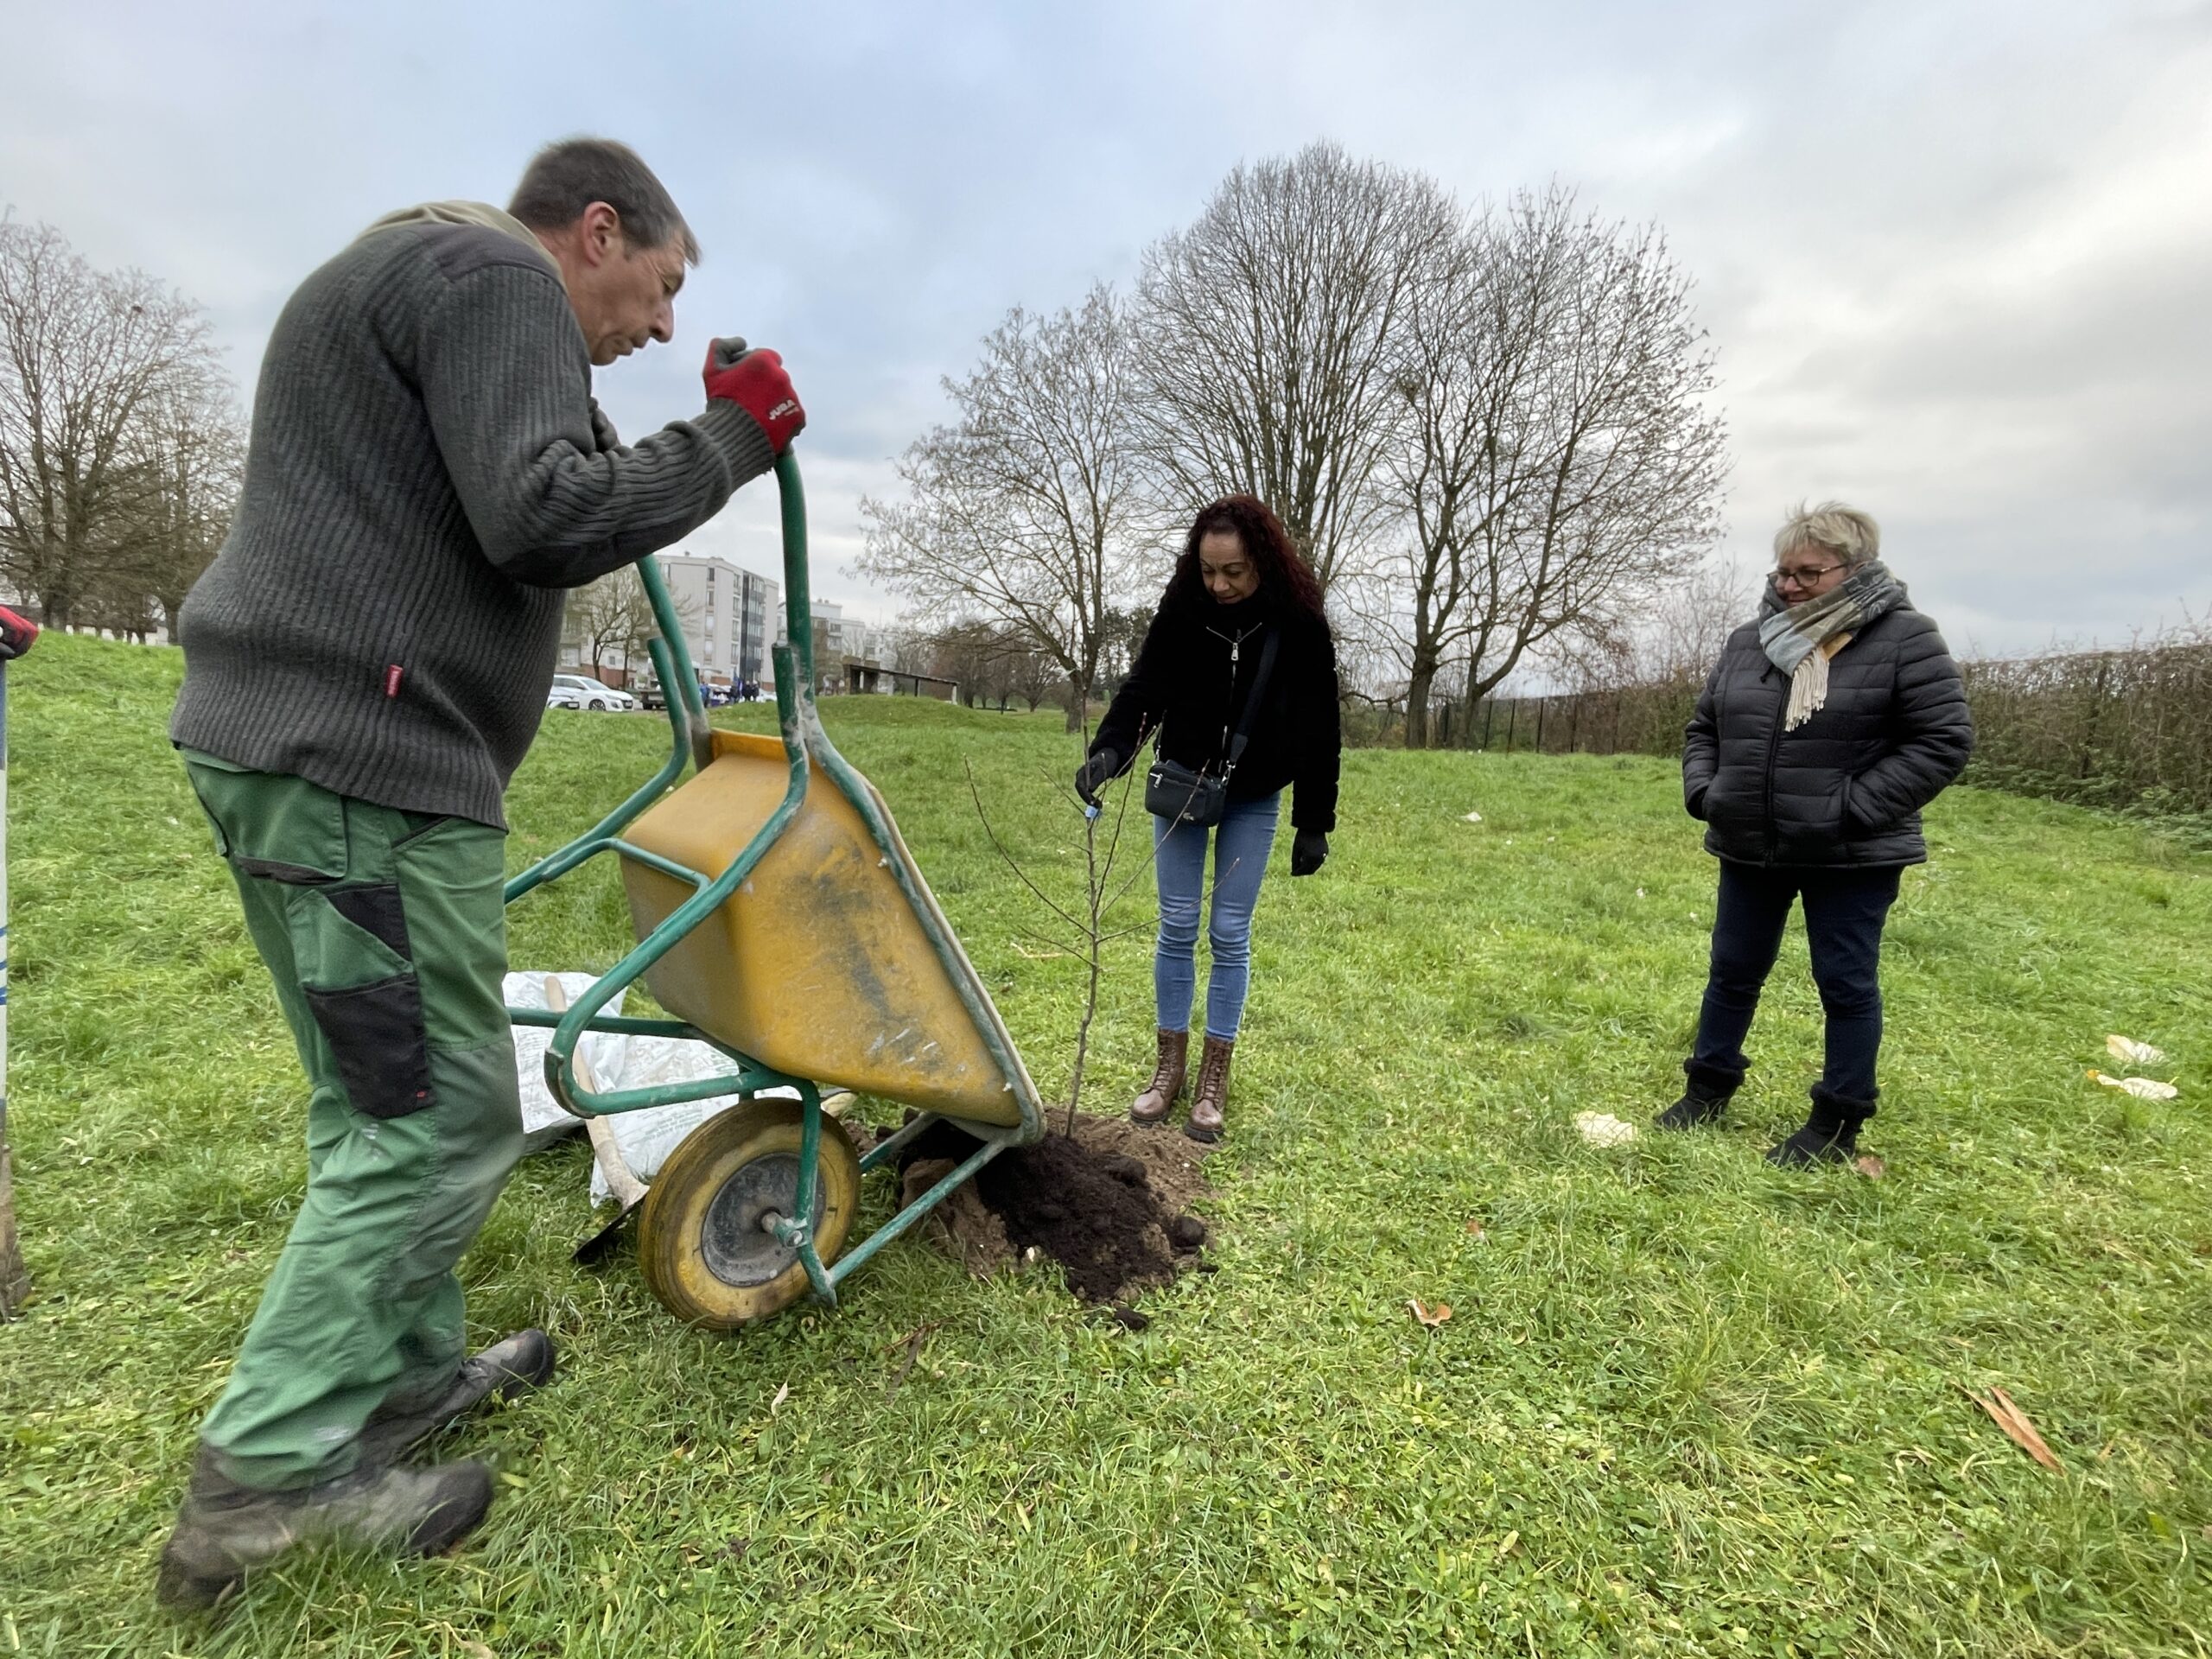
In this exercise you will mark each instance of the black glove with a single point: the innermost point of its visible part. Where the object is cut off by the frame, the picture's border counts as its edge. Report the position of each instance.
(1309, 852)
(1100, 769)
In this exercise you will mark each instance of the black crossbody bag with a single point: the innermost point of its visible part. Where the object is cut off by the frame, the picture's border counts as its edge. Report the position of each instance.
(1173, 790)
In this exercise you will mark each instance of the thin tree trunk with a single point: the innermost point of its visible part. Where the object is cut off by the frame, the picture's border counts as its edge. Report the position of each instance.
(1417, 690)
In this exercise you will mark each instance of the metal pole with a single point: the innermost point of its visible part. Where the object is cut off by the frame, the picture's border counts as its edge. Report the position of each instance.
(16, 637)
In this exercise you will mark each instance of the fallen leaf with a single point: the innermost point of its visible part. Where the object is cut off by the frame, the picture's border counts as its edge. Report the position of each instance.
(2134, 1053)
(1506, 1545)
(782, 1395)
(1431, 1317)
(1871, 1166)
(2009, 1417)
(1603, 1129)
(1476, 1231)
(2141, 1088)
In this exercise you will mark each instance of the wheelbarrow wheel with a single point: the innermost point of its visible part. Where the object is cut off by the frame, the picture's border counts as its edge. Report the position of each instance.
(701, 1241)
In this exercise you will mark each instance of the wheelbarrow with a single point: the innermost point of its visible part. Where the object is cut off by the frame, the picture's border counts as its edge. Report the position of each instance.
(781, 921)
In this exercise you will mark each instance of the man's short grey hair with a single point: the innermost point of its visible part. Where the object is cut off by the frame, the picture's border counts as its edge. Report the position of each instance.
(564, 178)
(1850, 535)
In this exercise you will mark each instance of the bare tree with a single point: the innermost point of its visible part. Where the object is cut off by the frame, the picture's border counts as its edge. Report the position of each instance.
(1125, 631)
(1458, 469)
(1031, 675)
(108, 388)
(972, 655)
(612, 617)
(194, 446)
(1026, 513)
(1269, 328)
(1558, 468)
(1680, 638)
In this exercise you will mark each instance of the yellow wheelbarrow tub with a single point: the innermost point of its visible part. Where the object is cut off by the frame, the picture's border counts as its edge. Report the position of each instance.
(824, 963)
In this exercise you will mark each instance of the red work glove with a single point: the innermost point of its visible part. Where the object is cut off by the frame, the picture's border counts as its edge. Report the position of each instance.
(756, 383)
(16, 633)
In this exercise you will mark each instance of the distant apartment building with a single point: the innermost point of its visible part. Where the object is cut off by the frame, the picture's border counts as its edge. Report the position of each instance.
(837, 636)
(732, 618)
(848, 652)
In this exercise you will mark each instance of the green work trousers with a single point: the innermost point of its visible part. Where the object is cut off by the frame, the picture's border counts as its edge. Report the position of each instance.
(386, 936)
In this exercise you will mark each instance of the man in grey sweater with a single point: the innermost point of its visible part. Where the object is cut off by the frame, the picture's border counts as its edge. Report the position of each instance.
(366, 663)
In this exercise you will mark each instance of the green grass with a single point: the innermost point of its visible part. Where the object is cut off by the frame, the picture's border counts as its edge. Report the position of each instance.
(1687, 1404)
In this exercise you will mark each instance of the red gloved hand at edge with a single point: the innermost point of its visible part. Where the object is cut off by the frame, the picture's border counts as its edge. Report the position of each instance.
(756, 383)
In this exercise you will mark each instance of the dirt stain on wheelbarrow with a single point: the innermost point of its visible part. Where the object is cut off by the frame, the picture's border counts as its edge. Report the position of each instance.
(1109, 1203)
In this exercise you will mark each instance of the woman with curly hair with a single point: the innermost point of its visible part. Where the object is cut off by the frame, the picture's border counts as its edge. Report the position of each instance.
(1237, 676)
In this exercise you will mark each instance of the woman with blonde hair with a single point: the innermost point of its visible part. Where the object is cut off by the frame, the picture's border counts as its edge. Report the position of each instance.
(1830, 720)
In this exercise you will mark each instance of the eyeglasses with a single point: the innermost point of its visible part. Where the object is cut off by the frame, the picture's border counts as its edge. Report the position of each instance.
(1803, 576)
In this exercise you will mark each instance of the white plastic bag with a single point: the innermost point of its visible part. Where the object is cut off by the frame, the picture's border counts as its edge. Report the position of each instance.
(543, 1119)
(646, 1137)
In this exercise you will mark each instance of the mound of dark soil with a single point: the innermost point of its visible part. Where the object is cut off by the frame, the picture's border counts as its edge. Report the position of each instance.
(1107, 1203)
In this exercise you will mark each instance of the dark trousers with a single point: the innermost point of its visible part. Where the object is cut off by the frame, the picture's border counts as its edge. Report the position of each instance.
(1845, 910)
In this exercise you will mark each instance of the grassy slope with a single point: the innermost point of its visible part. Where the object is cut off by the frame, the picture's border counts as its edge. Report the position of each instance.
(1685, 1402)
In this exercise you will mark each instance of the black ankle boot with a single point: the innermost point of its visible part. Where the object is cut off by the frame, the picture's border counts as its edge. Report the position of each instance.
(1830, 1135)
(1702, 1101)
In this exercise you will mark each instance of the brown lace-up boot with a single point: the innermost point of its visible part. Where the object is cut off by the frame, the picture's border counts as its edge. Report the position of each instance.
(1206, 1105)
(1166, 1083)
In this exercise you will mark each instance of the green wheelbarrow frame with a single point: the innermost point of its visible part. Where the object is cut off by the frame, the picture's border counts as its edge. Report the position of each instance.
(803, 741)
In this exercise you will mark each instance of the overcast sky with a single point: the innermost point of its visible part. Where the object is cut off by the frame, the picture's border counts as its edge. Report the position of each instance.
(1955, 257)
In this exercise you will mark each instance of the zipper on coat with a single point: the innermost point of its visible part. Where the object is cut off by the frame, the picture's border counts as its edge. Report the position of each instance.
(1229, 704)
(1773, 756)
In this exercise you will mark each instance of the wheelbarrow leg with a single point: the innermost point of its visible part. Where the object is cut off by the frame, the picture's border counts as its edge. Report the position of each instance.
(912, 1213)
(797, 1231)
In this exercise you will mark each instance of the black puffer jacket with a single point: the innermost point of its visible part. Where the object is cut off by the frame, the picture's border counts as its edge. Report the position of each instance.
(1181, 687)
(1847, 787)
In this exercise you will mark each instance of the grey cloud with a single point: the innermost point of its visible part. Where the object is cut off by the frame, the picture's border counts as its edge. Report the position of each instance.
(1863, 192)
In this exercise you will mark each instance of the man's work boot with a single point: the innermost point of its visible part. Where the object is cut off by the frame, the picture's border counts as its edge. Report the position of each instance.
(1212, 1098)
(1830, 1135)
(511, 1367)
(1160, 1094)
(1702, 1101)
(225, 1530)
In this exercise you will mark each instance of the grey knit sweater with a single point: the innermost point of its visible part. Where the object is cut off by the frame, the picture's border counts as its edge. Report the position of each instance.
(422, 484)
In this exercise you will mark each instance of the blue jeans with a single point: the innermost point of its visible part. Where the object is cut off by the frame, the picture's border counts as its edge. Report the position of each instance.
(1845, 910)
(1241, 842)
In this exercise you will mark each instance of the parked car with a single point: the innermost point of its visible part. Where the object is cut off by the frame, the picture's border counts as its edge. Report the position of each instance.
(581, 691)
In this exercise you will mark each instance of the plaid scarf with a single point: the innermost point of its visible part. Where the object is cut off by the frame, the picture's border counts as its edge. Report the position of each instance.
(1794, 636)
